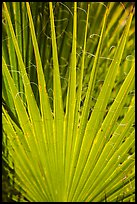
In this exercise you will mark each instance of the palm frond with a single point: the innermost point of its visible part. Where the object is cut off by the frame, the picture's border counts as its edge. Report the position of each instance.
(68, 101)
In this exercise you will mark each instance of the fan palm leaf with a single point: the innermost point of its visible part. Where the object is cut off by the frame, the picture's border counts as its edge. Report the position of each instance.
(68, 101)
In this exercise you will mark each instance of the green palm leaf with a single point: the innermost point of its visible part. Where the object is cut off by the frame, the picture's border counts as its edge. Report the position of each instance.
(68, 101)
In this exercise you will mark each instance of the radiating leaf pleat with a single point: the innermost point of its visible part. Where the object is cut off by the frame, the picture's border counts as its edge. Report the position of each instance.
(58, 111)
